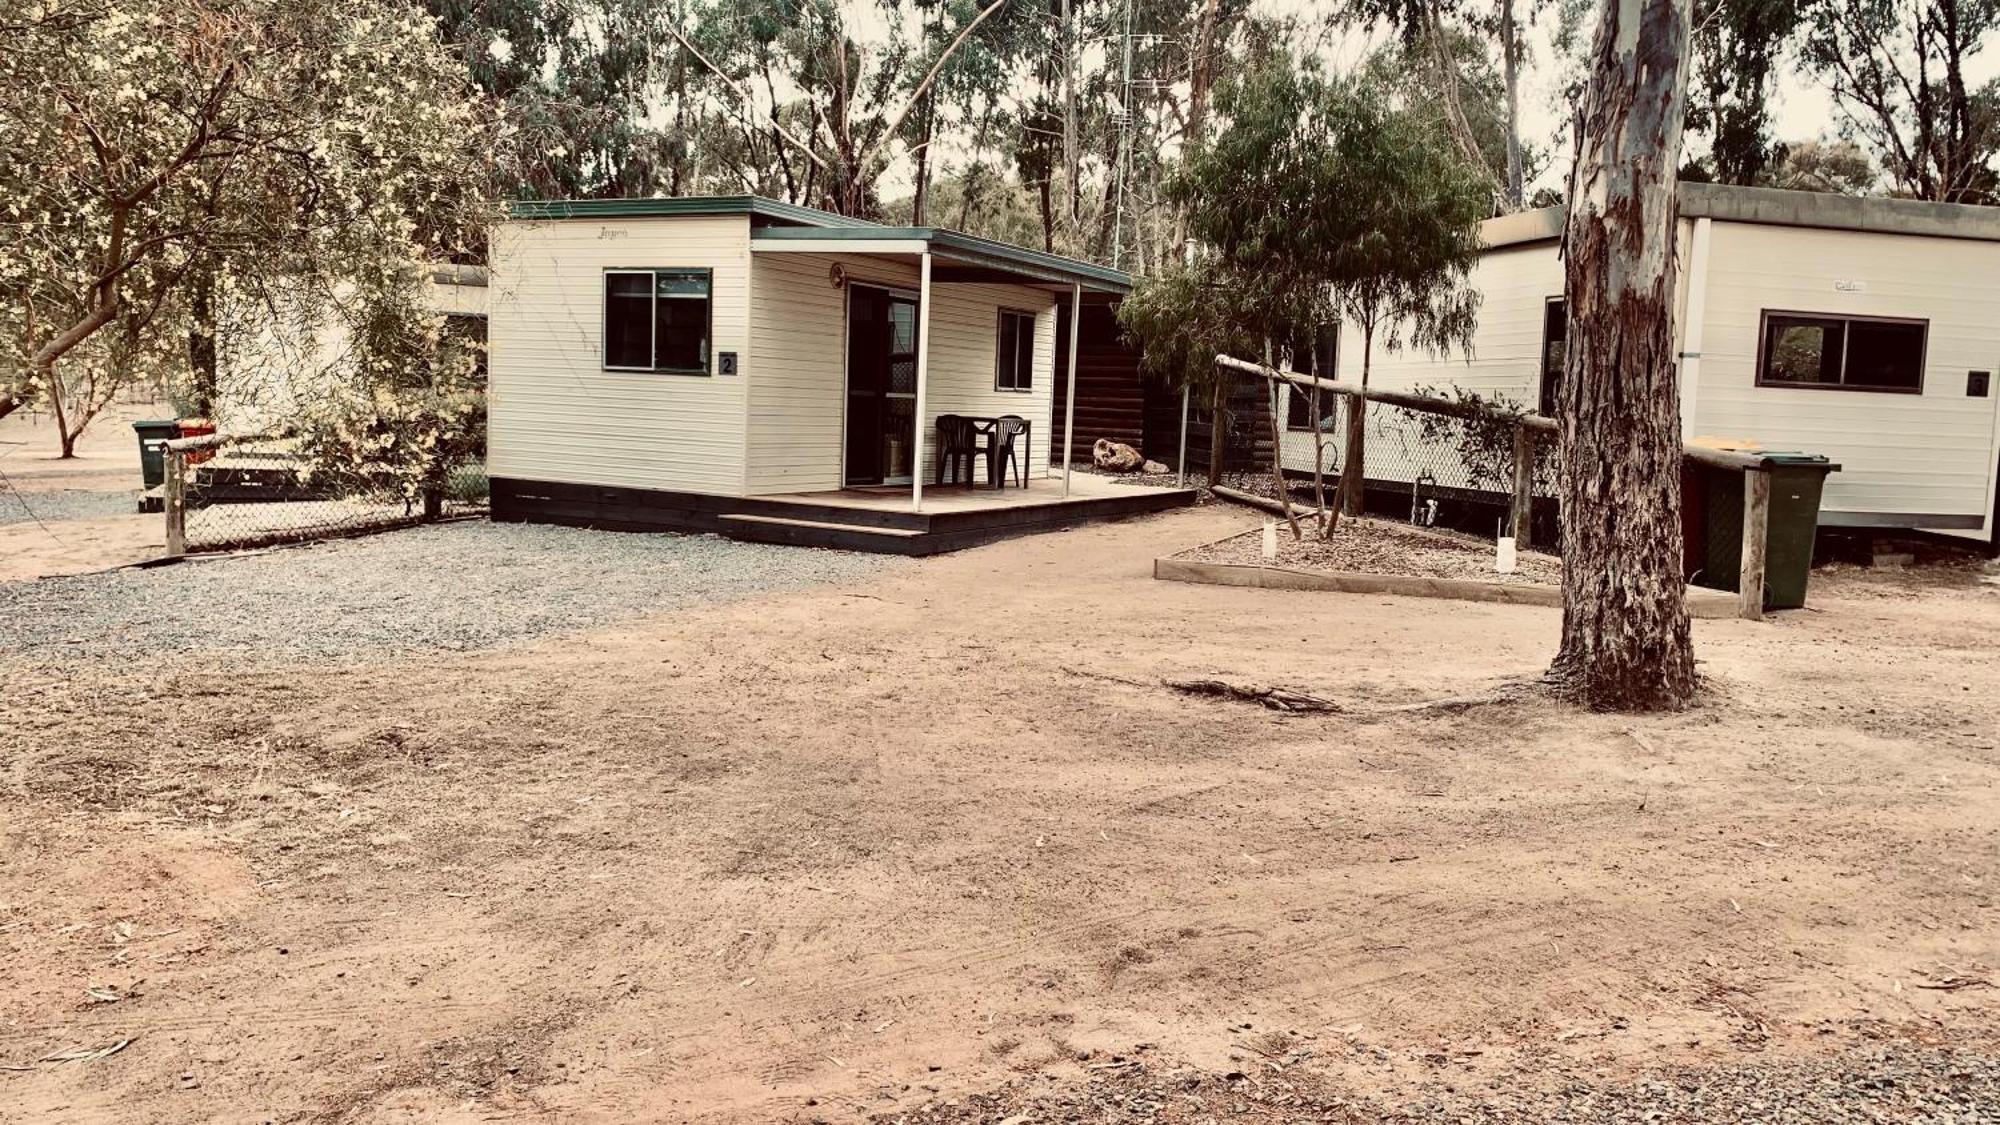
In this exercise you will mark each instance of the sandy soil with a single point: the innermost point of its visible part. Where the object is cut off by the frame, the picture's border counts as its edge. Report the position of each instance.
(107, 460)
(1373, 546)
(839, 852)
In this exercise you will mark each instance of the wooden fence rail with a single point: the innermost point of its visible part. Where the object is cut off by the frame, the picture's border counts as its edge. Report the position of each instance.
(1531, 428)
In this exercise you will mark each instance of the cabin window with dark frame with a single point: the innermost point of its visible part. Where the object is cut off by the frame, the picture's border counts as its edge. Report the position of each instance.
(1811, 350)
(1014, 365)
(657, 320)
(1555, 341)
(1314, 354)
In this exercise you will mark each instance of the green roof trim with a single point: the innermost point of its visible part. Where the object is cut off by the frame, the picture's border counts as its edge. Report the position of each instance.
(791, 221)
(753, 205)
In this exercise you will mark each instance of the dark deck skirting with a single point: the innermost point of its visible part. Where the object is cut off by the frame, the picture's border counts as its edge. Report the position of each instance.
(805, 523)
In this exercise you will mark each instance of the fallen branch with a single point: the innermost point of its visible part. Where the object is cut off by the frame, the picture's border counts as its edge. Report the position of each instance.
(1954, 983)
(1276, 698)
(1259, 502)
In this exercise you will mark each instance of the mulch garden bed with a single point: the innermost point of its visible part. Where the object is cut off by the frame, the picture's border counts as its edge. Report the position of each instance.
(1372, 546)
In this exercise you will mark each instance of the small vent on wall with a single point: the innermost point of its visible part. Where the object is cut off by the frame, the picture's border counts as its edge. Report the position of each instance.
(1978, 384)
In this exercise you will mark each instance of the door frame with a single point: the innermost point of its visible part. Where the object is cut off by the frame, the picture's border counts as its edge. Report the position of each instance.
(846, 375)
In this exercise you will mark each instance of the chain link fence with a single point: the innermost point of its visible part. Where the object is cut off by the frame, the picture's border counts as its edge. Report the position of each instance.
(234, 492)
(1428, 459)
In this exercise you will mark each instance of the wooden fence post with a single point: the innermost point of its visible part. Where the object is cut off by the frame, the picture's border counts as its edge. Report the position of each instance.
(1182, 463)
(1524, 486)
(1756, 528)
(175, 504)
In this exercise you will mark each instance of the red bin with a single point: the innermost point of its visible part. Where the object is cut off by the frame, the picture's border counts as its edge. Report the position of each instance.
(197, 427)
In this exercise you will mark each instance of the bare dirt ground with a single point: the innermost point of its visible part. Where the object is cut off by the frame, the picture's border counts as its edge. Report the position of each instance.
(844, 852)
(78, 515)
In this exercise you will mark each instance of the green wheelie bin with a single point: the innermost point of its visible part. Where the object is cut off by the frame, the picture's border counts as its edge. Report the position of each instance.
(1715, 554)
(154, 434)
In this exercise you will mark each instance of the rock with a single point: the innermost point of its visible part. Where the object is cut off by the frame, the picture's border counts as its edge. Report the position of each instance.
(1154, 467)
(1115, 456)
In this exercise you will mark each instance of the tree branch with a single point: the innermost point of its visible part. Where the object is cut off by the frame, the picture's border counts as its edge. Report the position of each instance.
(896, 123)
(738, 90)
(205, 119)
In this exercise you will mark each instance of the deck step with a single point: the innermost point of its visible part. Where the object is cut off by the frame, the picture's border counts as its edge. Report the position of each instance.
(821, 533)
(780, 521)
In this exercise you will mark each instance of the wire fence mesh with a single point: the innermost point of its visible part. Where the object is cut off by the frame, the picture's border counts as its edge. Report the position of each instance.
(240, 492)
(1434, 467)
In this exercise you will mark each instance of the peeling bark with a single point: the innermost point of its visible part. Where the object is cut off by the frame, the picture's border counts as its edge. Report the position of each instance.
(1625, 640)
(1510, 69)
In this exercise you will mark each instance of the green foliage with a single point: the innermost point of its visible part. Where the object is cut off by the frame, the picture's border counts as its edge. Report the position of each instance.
(981, 200)
(577, 79)
(1183, 318)
(1485, 442)
(1318, 198)
(1737, 43)
(1323, 197)
(1413, 74)
(1837, 167)
(408, 409)
(1901, 78)
(239, 148)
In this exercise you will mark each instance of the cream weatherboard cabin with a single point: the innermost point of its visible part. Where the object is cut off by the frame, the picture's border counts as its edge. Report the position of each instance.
(773, 372)
(1866, 330)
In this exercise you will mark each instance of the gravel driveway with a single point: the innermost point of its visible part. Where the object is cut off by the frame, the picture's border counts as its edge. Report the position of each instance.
(65, 504)
(453, 586)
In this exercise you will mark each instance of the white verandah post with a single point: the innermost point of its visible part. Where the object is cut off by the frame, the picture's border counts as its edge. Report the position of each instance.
(923, 377)
(1069, 393)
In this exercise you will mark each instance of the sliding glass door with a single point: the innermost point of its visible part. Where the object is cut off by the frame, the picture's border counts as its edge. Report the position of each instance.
(881, 385)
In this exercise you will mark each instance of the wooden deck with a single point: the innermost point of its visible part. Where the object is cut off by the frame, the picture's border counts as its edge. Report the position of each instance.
(856, 519)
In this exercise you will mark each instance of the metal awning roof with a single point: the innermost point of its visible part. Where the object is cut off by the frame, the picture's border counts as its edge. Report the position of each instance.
(964, 257)
(779, 227)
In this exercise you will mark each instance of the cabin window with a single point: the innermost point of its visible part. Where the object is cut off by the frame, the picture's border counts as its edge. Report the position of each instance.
(1555, 341)
(1843, 353)
(1298, 407)
(657, 320)
(1014, 367)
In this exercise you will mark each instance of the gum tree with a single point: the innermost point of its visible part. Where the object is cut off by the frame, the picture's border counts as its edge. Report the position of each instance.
(1903, 76)
(1323, 190)
(166, 157)
(1319, 198)
(1738, 45)
(1625, 638)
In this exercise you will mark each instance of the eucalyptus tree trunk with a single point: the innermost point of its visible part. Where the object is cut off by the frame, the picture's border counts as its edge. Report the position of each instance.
(1201, 77)
(201, 342)
(1218, 422)
(1510, 69)
(1072, 151)
(1354, 461)
(1625, 641)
